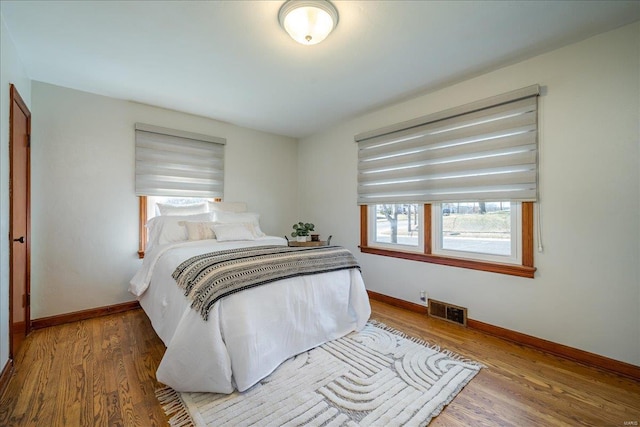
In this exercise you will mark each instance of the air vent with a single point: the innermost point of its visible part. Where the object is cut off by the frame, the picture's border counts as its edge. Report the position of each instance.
(449, 312)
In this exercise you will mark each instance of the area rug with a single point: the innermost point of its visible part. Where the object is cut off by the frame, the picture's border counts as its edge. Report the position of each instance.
(375, 377)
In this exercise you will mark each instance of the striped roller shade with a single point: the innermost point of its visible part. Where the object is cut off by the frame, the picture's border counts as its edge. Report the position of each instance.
(483, 151)
(176, 163)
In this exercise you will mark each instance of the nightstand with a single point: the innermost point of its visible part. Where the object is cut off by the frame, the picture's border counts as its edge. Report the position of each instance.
(309, 243)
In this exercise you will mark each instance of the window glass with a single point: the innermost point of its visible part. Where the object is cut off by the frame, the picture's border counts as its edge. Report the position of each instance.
(487, 231)
(483, 227)
(396, 224)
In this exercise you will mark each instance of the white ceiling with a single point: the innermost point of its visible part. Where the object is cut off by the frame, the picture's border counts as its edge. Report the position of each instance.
(231, 61)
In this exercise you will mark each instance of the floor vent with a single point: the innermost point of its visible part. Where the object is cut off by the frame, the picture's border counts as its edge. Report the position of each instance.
(449, 312)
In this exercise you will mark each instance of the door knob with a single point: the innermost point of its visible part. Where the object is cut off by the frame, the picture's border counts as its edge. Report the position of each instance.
(20, 239)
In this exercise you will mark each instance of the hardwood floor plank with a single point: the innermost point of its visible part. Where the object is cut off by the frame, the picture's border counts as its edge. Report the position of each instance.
(86, 364)
(47, 366)
(137, 365)
(98, 386)
(64, 407)
(72, 392)
(120, 375)
(101, 372)
(114, 413)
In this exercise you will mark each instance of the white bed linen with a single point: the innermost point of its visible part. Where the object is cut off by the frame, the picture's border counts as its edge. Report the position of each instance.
(249, 333)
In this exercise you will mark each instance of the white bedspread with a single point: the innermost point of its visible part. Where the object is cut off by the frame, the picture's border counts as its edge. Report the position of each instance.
(249, 333)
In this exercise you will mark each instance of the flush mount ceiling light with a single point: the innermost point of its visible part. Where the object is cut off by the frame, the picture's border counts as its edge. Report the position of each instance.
(308, 21)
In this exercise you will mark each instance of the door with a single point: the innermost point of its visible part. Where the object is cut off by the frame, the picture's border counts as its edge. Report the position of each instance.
(19, 221)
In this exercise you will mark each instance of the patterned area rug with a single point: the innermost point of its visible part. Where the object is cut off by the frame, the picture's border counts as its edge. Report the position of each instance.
(375, 377)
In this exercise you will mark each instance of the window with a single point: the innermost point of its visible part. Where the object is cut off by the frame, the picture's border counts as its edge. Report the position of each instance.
(488, 231)
(178, 165)
(454, 253)
(153, 201)
(148, 210)
(395, 225)
(455, 187)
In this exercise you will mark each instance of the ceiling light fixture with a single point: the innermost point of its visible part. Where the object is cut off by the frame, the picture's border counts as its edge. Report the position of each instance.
(308, 21)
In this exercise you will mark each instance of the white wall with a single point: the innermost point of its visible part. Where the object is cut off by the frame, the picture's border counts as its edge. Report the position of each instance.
(587, 288)
(11, 71)
(84, 211)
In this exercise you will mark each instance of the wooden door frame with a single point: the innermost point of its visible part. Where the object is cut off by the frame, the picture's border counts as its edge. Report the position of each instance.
(16, 99)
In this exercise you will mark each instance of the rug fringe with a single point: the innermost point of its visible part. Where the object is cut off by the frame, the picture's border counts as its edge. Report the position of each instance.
(424, 343)
(174, 407)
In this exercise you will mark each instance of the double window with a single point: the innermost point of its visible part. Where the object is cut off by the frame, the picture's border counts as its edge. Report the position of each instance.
(456, 187)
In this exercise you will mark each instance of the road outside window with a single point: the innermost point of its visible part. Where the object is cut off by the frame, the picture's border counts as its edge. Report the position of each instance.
(397, 224)
(483, 227)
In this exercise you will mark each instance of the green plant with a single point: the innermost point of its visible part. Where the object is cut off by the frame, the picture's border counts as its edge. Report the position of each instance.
(302, 229)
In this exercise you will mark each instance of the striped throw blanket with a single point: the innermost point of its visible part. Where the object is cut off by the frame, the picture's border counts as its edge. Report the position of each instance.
(208, 277)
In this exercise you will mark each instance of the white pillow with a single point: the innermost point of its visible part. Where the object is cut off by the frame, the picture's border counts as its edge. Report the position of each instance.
(167, 229)
(233, 231)
(201, 230)
(182, 210)
(234, 218)
(236, 207)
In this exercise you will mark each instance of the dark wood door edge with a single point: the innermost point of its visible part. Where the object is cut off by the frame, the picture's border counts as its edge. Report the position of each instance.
(15, 100)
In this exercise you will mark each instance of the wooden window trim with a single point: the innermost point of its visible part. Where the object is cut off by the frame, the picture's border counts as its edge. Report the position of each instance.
(142, 242)
(525, 270)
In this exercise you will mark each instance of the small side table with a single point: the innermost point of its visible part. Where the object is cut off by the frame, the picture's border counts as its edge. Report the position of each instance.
(309, 243)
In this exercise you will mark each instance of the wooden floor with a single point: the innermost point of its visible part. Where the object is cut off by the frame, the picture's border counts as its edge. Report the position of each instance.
(101, 372)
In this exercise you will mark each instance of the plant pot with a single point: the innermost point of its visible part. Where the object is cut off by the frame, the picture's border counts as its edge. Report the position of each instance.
(301, 238)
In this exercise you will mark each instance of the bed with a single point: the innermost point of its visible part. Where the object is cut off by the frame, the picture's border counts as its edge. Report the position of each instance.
(247, 334)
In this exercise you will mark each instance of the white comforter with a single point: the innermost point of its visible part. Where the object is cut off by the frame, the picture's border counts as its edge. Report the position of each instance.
(250, 333)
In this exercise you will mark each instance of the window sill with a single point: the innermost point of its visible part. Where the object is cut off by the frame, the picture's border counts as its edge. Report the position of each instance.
(510, 269)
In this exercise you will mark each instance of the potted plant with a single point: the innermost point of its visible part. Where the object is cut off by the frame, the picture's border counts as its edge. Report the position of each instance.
(301, 231)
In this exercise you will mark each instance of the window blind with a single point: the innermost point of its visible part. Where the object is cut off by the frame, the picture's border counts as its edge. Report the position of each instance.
(176, 163)
(483, 151)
